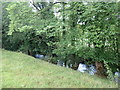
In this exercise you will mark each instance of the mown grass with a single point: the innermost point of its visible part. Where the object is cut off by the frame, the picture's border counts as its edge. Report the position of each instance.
(23, 71)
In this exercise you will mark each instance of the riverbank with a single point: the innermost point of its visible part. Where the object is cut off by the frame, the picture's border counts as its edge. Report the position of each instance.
(23, 71)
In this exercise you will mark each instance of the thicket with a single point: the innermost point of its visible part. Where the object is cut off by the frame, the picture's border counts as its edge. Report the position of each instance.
(72, 32)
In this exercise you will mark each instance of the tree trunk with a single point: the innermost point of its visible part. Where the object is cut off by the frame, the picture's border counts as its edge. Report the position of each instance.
(100, 68)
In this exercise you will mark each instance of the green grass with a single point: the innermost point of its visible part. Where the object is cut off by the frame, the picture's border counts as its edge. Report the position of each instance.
(23, 71)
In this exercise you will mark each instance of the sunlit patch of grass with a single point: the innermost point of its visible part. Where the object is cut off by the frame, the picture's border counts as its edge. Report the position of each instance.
(23, 71)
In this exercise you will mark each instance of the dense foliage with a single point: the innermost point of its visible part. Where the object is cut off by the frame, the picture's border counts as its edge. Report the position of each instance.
(72, 32)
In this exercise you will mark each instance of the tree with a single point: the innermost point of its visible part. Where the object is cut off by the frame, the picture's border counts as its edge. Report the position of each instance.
(72, 32)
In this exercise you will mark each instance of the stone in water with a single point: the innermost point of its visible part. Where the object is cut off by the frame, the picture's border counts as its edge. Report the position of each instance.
(92, 70)
(39, 56)
(82, 67)
(117, 77)
(60, 63)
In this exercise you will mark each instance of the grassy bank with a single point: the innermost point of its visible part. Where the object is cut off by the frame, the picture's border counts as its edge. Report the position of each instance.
(23, 71)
